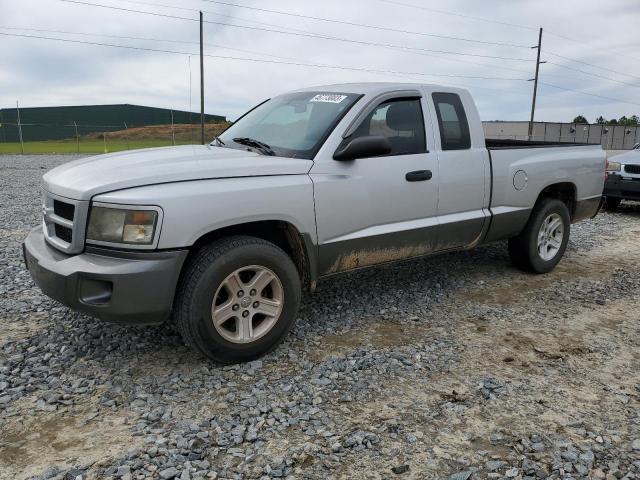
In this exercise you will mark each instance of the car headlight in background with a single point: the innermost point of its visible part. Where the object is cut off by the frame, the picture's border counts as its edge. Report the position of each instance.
(118, 225)
(613, 166)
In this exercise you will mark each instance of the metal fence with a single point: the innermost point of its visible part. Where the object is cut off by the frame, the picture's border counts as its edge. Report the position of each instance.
(98, 128)
(611, 137)
(76, 137)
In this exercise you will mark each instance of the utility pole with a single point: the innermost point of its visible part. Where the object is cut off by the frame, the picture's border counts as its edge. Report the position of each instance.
(75, 126)
(173, 132)
(201, 83)
(535, 84)
(19, 128)
(127, 136)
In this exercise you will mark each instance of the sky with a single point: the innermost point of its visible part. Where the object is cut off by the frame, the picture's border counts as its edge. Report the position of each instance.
(589, 45)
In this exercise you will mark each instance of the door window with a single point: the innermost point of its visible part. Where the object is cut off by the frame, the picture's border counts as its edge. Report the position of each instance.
(401, 121)
(452, 121)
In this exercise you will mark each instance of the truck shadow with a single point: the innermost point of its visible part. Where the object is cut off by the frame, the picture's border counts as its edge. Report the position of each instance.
(629, 208)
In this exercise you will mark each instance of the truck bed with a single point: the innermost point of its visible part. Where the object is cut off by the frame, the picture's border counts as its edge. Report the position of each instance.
(501, 143)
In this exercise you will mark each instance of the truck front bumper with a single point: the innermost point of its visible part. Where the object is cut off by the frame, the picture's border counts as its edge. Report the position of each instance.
(619, 187)
(120, 287)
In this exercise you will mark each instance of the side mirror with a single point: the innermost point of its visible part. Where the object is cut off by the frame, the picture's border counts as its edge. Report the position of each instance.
(363, 147)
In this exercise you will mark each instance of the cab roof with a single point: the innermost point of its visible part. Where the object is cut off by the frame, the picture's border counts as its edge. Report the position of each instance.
(374, 88)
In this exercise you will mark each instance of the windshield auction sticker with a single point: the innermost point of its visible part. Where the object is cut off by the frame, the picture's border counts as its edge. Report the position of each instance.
(328, 98)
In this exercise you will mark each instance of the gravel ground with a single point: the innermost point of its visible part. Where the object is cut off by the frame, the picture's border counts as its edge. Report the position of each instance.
(456, 366)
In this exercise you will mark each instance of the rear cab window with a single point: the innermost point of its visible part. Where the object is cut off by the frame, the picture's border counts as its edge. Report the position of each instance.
(452, 121)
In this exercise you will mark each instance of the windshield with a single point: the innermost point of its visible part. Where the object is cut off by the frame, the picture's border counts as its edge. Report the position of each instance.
(293, 125)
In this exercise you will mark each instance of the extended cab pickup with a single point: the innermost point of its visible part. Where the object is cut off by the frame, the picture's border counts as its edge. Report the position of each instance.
(223, 238)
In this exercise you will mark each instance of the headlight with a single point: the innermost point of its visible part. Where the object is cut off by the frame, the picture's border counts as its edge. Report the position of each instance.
(614, 166)
(117, 225)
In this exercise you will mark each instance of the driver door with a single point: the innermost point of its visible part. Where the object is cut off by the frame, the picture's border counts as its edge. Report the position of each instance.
(379, 209)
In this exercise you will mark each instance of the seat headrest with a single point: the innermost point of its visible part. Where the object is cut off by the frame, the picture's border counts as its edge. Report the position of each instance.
(402, 115)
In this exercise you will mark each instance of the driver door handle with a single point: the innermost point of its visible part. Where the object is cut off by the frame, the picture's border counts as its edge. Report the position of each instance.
(418, 176)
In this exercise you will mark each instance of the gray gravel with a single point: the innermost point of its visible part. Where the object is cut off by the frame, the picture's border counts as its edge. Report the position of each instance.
(456, 366)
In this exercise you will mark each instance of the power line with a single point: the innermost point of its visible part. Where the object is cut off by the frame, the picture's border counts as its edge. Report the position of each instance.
(139, 2)
(363, 25)
(209, 12)
(315, 65)
(590, 64)
(309, 35)
(446, 58)
(583, 43)
(387, 72)
(403, 49)
(589, 94)
(224, 47)
(593, 74)
(453, 14)
(147, 39)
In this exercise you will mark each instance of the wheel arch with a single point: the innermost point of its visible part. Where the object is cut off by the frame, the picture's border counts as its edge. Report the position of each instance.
(566, 192)
(299, 246)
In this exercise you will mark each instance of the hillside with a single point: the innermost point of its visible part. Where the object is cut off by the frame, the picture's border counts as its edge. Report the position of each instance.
(184, 133)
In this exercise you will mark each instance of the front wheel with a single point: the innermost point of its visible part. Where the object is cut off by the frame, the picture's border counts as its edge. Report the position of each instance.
(543, 242)
(238, 299)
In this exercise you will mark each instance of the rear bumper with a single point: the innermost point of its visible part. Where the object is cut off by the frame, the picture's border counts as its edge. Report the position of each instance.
(618, 187)
(120, 287)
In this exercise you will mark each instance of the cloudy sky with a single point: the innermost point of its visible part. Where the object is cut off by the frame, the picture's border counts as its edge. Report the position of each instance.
(42, 72)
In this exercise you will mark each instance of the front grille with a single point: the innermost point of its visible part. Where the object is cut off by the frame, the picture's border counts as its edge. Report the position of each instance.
(63, 233)
(632, 169)
(64, 210)
(64, 222)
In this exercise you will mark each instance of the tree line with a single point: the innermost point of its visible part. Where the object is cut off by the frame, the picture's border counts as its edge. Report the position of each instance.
(631, 121)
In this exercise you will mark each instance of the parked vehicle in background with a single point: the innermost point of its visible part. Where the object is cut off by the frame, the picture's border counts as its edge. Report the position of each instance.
(623, 179)
(223, 238)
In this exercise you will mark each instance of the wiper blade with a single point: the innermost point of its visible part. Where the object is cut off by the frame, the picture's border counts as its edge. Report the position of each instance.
(218, 141)
(257, 144)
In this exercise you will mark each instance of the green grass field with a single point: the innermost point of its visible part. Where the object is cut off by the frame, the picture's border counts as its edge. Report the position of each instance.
(86, 146)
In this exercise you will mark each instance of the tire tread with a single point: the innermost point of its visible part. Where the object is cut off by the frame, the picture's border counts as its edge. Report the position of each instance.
(195, 268)
(520, 246)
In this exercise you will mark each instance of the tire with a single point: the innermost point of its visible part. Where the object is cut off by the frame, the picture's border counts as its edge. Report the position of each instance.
(611, 204)
(210, 276)
(524, 249)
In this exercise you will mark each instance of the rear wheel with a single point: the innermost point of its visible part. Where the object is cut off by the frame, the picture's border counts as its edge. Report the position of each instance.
(543, 242)
(611, 204)
(238, 299)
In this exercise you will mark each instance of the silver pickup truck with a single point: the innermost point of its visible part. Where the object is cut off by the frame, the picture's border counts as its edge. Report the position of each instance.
(223, 238)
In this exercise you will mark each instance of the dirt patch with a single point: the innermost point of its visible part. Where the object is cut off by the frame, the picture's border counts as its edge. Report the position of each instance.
(375, 332)
(599, 263)
(12, 331)
(38, 441)
(181, 132)
(365, 258)
(559, 376)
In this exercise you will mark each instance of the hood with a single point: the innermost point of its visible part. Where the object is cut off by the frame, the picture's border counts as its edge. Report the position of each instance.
(82, 179)
(629, 158)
